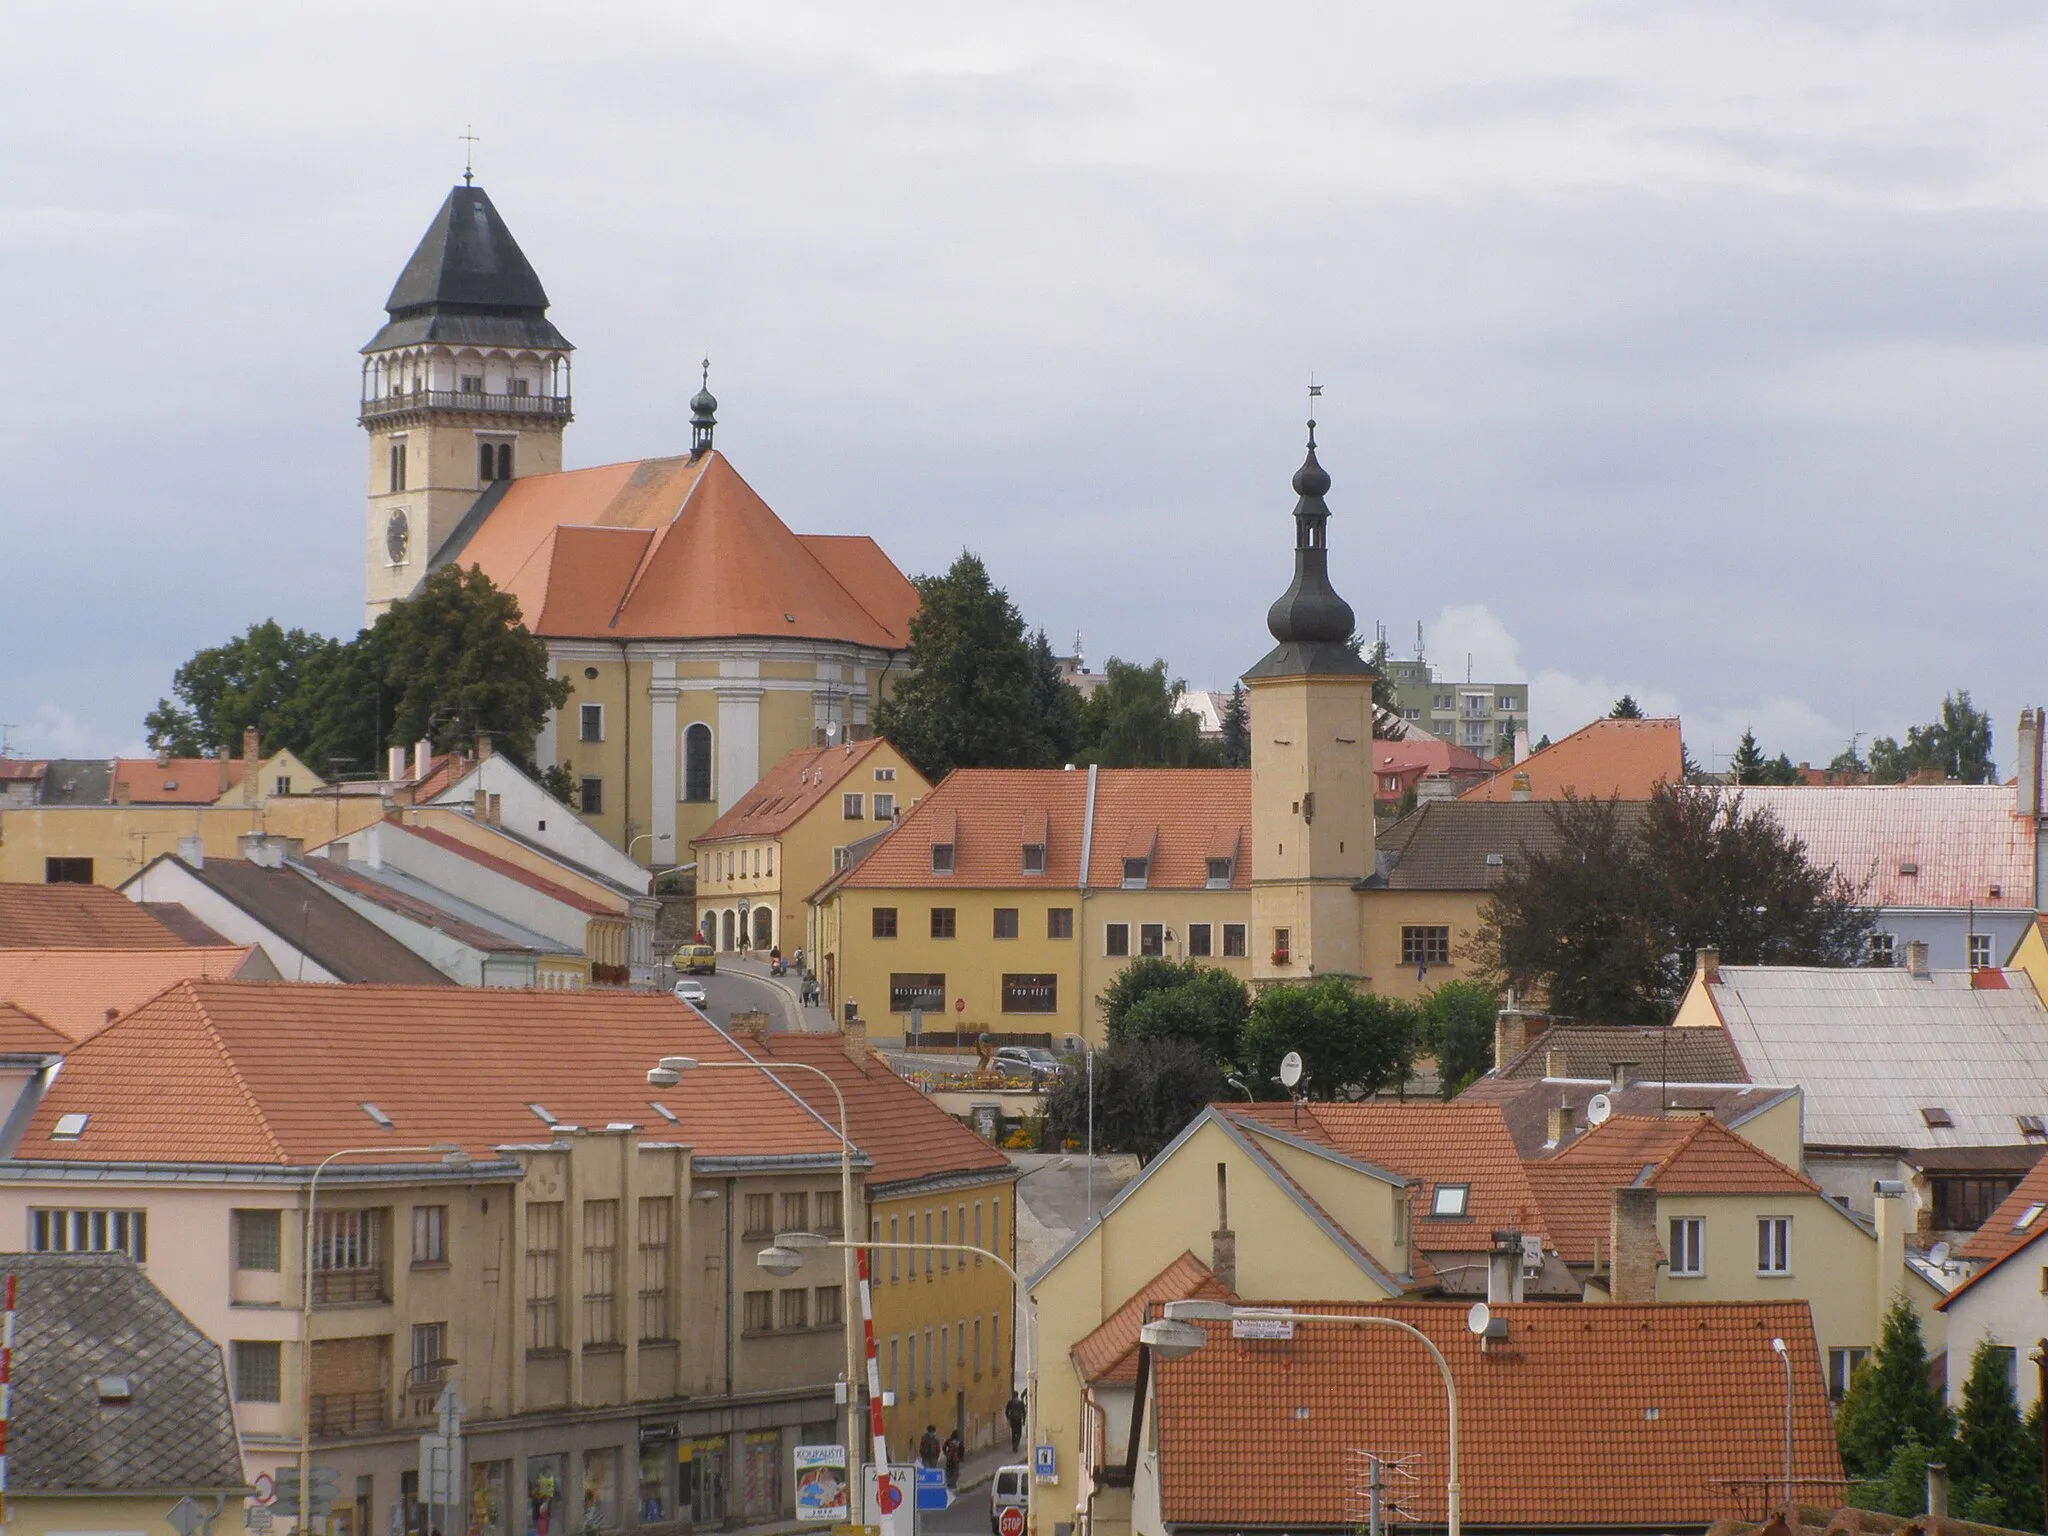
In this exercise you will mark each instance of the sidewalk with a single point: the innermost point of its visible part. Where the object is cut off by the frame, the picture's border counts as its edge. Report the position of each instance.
(797, 1015)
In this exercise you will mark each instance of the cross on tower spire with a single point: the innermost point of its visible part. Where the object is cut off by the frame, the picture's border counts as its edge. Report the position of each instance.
(469, 144)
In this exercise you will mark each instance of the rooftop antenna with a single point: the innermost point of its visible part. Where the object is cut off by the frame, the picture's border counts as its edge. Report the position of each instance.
(469, 144)
(1315, 392)
(6, 750)
(1418, 639)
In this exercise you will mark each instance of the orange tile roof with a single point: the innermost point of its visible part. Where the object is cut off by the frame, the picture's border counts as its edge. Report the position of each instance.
(23, 1034)
(76, 916)
(907, 1138)
(1687, 1155)
(790, 789)
(1433, 1145)
(179, 781)
(1578, 1204)
(1626, 758)
(1110, 1353)
(989, 808)
(506, 868)
(276, 1073)
(1585, 1417)
(681, 548)
(77, 991)
(2001, 1233)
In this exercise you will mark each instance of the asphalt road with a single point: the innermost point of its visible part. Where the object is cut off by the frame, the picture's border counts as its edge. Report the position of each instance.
(731, 991)
(968, 1516)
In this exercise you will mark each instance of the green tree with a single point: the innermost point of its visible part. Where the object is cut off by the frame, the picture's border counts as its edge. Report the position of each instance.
(1626, 708)
(1457, 1026)
(1994, 1466)
(1055, 703)
(1146, 1091)
(1607, 921)
(1156, 998)
(1958, 746)
(1899, 1487)
(1748, 763)
(1237, 730)
(1890, 1399)
(967, 698)
(1134, 720)
(1847, 761)
(1352, 1043)
(260, 678)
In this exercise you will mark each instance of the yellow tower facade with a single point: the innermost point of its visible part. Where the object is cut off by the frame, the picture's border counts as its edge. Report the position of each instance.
(465, 388)
(1310, 707)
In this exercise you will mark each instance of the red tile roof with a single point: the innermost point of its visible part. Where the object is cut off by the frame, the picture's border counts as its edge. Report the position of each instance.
(790, 789)
(984, 812)
(681, 548)
(1110, 1353)
(2002, 1233)
(1625, 758)
(180, 781)
(1585, 1417)
(905, 1135)
(506, 868)
(22, 770)
(276, 1073)
(77, 991)
(1410, 760)
(77, 916)
(1686, 1155)
(23, 1034)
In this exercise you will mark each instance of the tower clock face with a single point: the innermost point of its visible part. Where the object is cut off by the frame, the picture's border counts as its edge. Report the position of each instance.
(397, 537)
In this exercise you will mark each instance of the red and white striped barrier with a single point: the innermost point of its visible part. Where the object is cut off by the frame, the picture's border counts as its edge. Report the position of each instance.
(6, 1391)
(867, 1328)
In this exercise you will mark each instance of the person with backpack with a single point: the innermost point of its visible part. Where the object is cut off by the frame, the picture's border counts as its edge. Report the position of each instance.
(929, 1449)
(1013, 1410)
(953, 1450)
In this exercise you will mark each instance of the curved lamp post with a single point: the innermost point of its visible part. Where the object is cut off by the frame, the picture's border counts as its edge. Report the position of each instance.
(1175, 1337)
(667, 1074)
(1778, 1347)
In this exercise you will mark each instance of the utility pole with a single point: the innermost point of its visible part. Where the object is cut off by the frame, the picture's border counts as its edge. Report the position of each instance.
(2040, 1358)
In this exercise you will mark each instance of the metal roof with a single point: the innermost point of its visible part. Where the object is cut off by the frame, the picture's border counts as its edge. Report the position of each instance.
(468, 283)
(1875, 1048)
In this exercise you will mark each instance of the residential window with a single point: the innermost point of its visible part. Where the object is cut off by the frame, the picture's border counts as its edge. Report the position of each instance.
(853, 806)
(1842, 1365)
(1031, 992)
(1774, 1245)
(1006, 922)
(656, 1219)
(1449, 1199)
(429, 1234)
(472, 384)
(1282, 951)
(917, 992)
(995, 1227)
(796, 1212)
(928, 1362)
(945, 1356)
(945, 1236)
(1219, 873)
(894, 1255)
(281, 785)
(1965, 1204)
(1199, 935)
(600, 1272)
(794, 1308)
(397, 477)
(544, 1275)
(929, 1257)
(977, 1230)
(883, 921)
(1880, 951)
(942, 858)
(697, 762)
(1685, 1246)
(1425, 944)
(828, 1306)
(1116, 939)
(1234, 946)
(348, 1256)
(590, 723)
(1151, 938)
(827, 1207)
(895, 1359)
(430, 1360)
(1980, 951)
(1034, 858)
(259, 1371)
(259, 1240)
(1135, 872)
(1059, 922)
(757, 1312)
(760, 1216)
(942, 922)
(910, 1362)
(1506, 703)
(977, 1344)
(841, 859)
(590, 793)
(885, 775)
(67, 871)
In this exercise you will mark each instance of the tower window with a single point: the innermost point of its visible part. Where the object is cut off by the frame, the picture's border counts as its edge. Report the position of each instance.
(472, 384)
(397, 465)
(593, 796)
(521, 386)
(493, 462)
(590, 725)
(504, 461)
(697, 762)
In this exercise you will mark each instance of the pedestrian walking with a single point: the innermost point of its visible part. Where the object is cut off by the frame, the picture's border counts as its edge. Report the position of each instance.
(953, 1450)
(1013, 1410)
(929, 1448)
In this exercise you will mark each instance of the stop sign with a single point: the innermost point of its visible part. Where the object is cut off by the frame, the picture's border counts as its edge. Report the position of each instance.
(1012, 1522)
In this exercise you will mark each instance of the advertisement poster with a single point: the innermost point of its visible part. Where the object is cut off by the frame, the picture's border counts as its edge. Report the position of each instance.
(821, 1492)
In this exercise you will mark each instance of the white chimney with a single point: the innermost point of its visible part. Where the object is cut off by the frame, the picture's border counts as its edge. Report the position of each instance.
(394, 764)
(1916, 958)
(192, 851)
(422, 757)
(1521, 743)
(2027, 747)
(1889, 1210)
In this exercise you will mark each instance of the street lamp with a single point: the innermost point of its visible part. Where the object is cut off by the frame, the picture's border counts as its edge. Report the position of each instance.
(454, 1157)
(786, 1255)
(666, 1074)
(659, 837)
(1089, 1051)
(1175, 1337)
(1785, 1355)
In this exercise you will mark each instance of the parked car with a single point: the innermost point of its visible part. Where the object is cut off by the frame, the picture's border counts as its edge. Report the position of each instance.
(697, 960)
(1010, 1488)
(690, 991)
(1032, 1061)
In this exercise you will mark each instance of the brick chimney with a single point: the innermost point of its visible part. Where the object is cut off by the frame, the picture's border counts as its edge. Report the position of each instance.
(1916, 958)
(249, 762)
(1558, 1126)
(1223, 1241)
(1518, 787)
(2027, 747)
(1618, 1075)
(1510, 1035)
(855, 1038)
(1632, 1243)
(1706, 963)
(483, 745)
(1557, 1062)
(751, 1023)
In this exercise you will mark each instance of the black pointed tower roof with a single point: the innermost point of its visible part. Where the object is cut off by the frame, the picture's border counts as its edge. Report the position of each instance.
(1312, 623)
(468, 283)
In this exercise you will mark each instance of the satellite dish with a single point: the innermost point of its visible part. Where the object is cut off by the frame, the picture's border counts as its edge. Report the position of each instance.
(831, 731)
(1479, 1318)
(1598, 1109)
(1290, 1069)
(1938, 1255)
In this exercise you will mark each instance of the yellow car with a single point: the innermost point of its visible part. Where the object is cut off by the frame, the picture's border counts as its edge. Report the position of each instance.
(697, 960)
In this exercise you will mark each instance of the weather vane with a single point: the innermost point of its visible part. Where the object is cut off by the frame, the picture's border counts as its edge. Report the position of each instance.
(1315, 391)
(469, 144)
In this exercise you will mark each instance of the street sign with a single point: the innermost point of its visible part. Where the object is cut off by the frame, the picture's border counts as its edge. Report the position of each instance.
(287, 1500)
(1249, 1324)
(931, 1488)
(258, 1518)
(1045, 1463)
(185, 1516)
(890, 1496)
(266, 1489)
(441, 1471)
(1011, 1522)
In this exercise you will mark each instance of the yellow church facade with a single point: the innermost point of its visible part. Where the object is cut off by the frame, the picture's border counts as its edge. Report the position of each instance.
(702, 639)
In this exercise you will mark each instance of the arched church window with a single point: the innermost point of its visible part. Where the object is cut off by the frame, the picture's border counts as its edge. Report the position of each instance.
(485, 461)
(504, 461)
(697, 762)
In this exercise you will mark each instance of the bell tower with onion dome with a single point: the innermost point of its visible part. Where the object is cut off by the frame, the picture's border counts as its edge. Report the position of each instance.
(1310, 705)
(465, 389)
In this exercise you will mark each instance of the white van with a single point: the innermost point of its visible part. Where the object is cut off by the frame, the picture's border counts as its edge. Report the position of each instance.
(1009, 1489)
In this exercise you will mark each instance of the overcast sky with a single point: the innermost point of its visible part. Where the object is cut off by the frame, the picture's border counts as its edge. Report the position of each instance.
(1689, 349)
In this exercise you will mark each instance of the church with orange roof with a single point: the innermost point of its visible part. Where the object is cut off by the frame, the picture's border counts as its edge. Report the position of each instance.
(702, 638)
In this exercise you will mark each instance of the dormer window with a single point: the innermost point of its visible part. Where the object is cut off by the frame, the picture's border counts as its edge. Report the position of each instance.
(1034, 858)
(1136, 872)
(945, 830)
(942, 858)
(1221, 865)
(1219, 874)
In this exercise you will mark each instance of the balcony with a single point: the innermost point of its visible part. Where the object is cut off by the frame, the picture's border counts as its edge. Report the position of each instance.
(349, 1287)
(384, 407)
(347, 1413)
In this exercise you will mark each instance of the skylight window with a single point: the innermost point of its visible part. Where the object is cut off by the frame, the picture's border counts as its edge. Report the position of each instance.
(68, 1127)
(664, 1111)
(1937, 1118)
(2032, 1125)
(541, 1113)
(383, 1120)
(1450, 1199)
(2028, 1217)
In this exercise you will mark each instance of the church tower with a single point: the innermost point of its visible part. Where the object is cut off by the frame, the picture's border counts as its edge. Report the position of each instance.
(464, 389)
(1310, 705)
